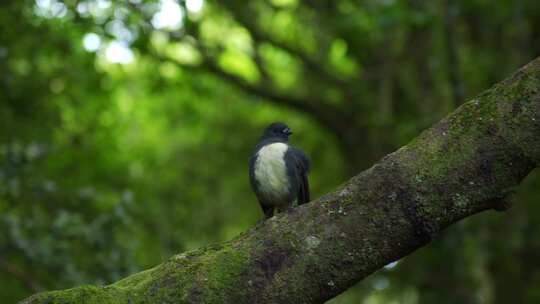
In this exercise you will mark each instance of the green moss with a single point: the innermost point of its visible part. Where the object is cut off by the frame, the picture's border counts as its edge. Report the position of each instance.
(83, 295)
(220, 272)
(141, 278)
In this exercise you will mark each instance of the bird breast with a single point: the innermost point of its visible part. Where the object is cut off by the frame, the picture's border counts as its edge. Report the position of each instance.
(271, 172)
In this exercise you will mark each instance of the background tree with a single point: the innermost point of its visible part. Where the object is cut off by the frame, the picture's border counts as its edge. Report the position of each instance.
(126, 128)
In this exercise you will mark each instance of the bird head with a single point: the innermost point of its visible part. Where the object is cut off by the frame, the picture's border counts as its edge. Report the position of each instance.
(277, 130)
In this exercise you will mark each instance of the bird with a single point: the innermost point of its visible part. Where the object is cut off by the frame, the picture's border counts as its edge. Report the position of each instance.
(278, 172)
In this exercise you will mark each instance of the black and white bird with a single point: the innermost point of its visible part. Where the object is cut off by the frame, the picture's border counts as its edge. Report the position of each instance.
(278, 171)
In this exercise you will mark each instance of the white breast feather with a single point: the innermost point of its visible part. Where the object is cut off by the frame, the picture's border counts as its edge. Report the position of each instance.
(270, 170)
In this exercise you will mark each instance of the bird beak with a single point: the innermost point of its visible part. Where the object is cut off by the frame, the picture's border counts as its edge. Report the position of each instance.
(288, 131)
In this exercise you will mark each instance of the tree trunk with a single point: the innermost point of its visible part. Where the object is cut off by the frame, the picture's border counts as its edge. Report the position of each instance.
(463, 165)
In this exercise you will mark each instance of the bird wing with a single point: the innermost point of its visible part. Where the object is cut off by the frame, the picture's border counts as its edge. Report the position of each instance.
(302, 167)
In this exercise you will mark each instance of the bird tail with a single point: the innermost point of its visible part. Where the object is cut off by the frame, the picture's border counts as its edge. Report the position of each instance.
(303, 195)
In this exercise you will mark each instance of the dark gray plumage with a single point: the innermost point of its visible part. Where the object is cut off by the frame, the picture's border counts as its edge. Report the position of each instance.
(278, 171)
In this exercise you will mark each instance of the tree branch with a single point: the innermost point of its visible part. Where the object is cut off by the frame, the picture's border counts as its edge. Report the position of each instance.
(327, 115)
(259, 36)
(461, 166)
(318, 109)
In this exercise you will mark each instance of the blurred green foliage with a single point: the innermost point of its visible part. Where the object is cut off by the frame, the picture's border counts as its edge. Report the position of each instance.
(125, 129)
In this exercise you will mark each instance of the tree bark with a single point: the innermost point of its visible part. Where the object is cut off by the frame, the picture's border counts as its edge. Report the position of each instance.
(464, 164)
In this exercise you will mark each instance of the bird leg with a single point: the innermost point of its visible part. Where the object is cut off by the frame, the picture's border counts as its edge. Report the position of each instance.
(268, 211)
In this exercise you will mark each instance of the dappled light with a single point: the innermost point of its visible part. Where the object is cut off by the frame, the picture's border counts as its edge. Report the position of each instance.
(126, 128)
(169, 16)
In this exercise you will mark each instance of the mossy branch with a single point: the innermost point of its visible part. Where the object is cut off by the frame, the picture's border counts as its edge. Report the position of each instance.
(463, 165)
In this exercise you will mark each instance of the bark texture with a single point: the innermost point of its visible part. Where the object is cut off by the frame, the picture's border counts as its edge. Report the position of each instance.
(464, 164)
